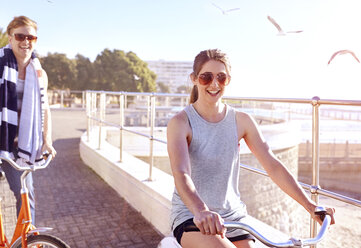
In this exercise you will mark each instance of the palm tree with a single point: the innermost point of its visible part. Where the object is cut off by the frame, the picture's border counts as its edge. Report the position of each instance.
(3, 38)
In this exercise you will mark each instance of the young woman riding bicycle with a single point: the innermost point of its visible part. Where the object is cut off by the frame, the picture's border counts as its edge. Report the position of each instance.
(203, 147)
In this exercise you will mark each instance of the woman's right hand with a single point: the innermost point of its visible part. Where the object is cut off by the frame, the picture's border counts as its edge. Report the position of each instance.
(210, 223)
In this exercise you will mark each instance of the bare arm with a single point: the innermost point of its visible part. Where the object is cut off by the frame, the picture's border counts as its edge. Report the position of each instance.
(178, 135)
(277, 171)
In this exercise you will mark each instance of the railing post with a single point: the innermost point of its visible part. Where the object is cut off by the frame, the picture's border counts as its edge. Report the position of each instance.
(347, 150)
(315, 159)
(152, 123)
(167, 101)
(149, 106)
(83, 96)
(62, 99)
(88, 112)
(182, 102)
(101, 116)
(93, 108)
(121, 107)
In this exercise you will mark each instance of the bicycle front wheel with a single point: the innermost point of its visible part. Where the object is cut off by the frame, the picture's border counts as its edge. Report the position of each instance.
(44, 241)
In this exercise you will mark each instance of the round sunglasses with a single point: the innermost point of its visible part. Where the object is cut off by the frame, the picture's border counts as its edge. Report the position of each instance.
(208, 77)
(22, 37)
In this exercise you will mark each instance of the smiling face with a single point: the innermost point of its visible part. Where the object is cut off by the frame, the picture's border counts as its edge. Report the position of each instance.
(213, 91)
(22, 49)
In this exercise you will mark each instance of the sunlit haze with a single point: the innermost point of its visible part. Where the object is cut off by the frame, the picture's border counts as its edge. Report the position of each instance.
(264, 64)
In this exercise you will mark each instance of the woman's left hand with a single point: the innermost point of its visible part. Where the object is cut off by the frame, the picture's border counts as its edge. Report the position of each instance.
(330, 212)
(49, 149)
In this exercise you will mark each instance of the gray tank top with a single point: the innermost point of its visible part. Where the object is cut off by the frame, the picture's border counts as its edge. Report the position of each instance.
(20, 92)
(214, 158)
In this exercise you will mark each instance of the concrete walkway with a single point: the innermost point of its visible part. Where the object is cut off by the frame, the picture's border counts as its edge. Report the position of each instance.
(83, 209)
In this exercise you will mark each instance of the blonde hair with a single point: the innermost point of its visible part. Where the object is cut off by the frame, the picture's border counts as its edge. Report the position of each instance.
(202, 58)
(20, 21)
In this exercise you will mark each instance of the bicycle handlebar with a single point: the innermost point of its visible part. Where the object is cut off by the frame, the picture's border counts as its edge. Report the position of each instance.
(28, 167)
(292, 242)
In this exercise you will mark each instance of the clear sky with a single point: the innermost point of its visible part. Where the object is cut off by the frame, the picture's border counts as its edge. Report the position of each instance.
(263, 63)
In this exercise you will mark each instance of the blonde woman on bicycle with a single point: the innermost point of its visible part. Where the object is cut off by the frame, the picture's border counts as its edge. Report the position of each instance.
(26, 123)
(203, 147)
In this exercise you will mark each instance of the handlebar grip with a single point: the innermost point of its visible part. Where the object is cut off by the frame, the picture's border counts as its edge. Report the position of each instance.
(321, 211)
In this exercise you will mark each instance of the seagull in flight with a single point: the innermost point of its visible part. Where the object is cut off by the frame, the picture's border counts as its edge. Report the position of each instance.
(280, 31)
(224, 12)
(341, 52)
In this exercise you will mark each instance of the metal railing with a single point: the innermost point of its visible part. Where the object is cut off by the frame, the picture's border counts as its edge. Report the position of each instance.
(94, 97)
(66, 98)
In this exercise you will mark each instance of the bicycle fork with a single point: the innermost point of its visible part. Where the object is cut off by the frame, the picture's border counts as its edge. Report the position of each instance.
(3, 241)
(23, 225)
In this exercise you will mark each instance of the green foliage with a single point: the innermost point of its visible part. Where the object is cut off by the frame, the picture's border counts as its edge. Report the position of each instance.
(164, 88)
(111, 71)
(183, 89)
(144, 77)
(119, 71)
(61, 71)
(85, 78)
(3, 38)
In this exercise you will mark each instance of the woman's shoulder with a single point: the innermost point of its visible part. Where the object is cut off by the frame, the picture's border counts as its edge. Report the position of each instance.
(245, 119)
(179, 121)
(180, 118)
(242, 115)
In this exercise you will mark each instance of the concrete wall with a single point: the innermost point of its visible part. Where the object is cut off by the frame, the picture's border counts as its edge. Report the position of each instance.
(130, 179)
(266, 201)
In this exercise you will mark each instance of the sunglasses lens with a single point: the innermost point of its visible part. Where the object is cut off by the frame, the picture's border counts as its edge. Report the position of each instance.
(222, 78)
(32, 38)
(22, 37)
(19, 37)
(205, 78)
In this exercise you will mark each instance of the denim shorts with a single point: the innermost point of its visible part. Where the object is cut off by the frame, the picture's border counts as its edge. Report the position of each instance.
(179, 230)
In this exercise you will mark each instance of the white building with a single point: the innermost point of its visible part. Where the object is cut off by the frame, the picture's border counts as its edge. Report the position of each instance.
(172, 73)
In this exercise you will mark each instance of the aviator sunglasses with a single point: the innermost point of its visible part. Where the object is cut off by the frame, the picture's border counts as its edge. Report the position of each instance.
(208, 77)
(22, 37)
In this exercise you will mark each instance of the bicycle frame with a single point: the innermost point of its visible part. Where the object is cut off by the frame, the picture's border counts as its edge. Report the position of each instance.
(24, 222)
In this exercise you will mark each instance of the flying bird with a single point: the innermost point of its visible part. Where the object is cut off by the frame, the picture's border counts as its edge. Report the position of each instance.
(341, 52)
(224, 12)
(280, 31)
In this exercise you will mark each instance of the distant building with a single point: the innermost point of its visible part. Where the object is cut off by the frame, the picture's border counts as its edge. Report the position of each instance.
(172, 73)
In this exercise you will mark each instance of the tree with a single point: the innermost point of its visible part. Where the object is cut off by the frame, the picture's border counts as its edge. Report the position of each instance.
(183, 89)
(85, 79)
(61, 71)
(164, 88)
(3, 38)
(111, 71)
(117, 71)
(145, 78)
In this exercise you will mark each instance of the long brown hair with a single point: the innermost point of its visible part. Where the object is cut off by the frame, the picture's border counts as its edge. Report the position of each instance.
(202, 58)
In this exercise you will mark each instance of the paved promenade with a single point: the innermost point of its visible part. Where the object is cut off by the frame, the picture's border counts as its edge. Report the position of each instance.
(71, 198)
